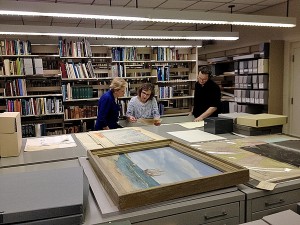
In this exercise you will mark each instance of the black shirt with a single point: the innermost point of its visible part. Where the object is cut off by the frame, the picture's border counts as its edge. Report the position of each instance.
(207, 96)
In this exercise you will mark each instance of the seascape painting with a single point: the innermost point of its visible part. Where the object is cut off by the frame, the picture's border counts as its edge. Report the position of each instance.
(154, 167)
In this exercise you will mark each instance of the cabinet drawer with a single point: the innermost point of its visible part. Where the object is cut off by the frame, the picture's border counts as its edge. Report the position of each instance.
(203, 216)
(230, 221)
(261, 214)
(276, 200)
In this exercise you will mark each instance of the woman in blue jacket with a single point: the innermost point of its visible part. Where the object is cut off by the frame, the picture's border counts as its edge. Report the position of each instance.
(108, 108)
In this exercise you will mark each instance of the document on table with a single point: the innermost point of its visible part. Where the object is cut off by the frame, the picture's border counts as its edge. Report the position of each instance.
(195, 136)
(44, 143)
(192, 125)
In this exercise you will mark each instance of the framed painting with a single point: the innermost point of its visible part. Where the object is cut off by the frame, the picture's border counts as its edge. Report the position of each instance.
(150, 172)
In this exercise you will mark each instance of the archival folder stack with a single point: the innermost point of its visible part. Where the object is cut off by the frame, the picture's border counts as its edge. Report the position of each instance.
(45, 197)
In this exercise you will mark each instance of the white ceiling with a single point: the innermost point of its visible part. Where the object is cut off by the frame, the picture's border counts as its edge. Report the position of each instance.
(241, 6)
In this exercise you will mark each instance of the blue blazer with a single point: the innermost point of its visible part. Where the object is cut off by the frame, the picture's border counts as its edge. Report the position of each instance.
(108, 112)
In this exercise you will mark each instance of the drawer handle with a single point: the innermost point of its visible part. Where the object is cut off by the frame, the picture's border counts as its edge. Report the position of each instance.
(207, 217)
(280, 201)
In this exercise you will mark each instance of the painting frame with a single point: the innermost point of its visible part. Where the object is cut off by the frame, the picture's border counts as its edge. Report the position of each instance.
(231, 174)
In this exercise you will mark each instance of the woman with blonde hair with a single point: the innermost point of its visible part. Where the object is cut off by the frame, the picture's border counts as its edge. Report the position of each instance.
(108, 108)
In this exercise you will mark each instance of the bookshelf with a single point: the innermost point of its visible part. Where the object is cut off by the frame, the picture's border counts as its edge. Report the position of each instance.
(56, 87)
(172, 70)
(30, 84)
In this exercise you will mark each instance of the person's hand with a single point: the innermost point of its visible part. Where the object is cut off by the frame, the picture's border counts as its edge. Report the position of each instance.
(190, 114)
(199, 118)
(106, 128)
(157, 121)
(132, 119)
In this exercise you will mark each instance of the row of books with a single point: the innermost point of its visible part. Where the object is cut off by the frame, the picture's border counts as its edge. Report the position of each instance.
(75, 48)
(15, 47)
(15, 87)
(82, 127)
(165, 92)
(77, 71)
(128, 54)
(77, 112)
(22, 66)
(34, 130)
(164, 54)
(163, 73)
(35, 106)
(76, 92)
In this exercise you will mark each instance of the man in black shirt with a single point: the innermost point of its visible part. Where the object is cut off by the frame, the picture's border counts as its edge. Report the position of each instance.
(207, 96)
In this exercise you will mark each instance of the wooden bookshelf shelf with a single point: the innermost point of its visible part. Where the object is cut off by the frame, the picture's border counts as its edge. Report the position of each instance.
(75, 119)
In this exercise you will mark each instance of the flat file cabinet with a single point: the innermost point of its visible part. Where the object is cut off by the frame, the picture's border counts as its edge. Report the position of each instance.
(260, 203)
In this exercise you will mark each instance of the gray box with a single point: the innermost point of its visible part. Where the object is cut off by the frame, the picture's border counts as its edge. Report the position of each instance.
(287, 217)
(40, 196)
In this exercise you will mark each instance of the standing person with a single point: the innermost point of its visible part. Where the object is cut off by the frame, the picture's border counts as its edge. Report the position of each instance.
(144, 105)
(108, 108)
(207, 96)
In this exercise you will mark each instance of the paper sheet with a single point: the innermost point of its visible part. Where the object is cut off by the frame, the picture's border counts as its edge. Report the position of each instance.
(45, 143)
(195, 136)
(192, 125)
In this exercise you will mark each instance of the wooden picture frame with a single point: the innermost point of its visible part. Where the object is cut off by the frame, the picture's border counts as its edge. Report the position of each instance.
(182, 171)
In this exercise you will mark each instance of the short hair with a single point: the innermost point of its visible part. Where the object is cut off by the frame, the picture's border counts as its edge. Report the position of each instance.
(205, 70)
(147, 87)
(117, 83)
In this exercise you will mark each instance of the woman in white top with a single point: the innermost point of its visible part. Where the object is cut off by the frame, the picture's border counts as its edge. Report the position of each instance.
(144, 105)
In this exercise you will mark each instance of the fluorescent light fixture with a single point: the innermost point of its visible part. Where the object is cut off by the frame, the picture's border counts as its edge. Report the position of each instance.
(137, 14)
(116, 33)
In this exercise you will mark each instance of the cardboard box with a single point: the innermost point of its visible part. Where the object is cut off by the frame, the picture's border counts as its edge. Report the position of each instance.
(262, 120)
(285, 217)
(233, 115)
(10, 134)
(218, 125)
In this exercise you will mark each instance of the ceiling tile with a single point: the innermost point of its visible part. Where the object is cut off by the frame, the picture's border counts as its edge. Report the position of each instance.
(146, 4)
(204, 6)
(12, 22)
(36, 23)
(37, 18)
(252, 2)
(36, 0)
(66, 20)
(63, 24)
(272, 2)
(136, 27)
(251, 9)
(9, 18)
(115, 26)
(113, 2)
(176, 4)
(76, 1)
(225, 8)
(157, 27)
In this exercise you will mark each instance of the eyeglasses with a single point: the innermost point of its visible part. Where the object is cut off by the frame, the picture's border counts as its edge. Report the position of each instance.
(145, 93)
